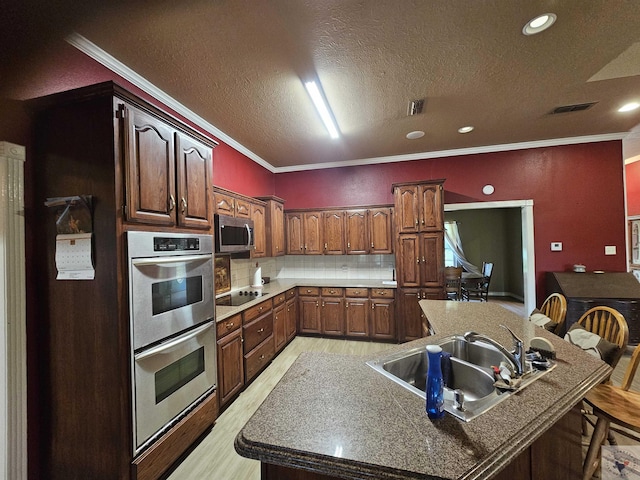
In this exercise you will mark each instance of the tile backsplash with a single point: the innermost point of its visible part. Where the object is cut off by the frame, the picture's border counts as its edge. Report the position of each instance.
(313, 266)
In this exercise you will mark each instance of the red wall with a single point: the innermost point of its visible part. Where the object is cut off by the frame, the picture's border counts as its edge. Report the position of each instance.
(632, 172)
(576, 190)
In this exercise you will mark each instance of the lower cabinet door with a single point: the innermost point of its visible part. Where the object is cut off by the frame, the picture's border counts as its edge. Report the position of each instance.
(332, 316)
(310, 315)
(383, 324)
(230, 366)
(357, 317)
(279, 327)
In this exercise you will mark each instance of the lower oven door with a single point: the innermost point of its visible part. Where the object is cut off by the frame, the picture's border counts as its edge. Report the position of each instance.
(169, 378)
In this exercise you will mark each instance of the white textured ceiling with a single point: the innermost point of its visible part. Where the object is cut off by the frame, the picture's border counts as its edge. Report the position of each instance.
(239, 65)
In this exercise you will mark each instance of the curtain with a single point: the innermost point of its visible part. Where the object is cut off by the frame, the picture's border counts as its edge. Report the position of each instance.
(452, 239)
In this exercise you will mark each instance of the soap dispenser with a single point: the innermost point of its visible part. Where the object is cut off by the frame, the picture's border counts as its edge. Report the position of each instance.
(435, 384)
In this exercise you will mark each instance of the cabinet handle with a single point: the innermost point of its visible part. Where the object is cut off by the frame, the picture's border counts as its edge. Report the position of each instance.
(317, 304)
(322, 304)
(347, 305)
(308, 290)
(373, 306)
(348, 244)
(372, 245)
(260, 309)
(423, 260)
(261, 357)
(305, 246)
(332, 291)
(172, 203)
(325, 246)
(229, 325)
(183, 202)
(417, 259)
(261, 330)
(416, 222)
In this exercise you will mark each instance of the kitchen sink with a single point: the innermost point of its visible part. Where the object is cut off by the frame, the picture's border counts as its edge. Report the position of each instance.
(470, 390)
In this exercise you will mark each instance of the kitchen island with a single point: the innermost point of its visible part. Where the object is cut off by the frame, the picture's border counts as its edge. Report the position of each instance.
(332, 416)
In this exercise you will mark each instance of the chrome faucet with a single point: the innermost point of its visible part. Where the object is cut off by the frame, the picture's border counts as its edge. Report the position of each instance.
(516, 357)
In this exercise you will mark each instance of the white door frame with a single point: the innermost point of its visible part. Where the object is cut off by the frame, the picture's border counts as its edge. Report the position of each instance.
(528, 248)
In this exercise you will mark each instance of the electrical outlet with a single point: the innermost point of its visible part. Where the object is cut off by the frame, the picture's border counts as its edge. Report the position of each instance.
(556, 246)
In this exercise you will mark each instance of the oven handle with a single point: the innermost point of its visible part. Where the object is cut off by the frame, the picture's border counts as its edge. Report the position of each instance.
(172, 343)
(163, 261)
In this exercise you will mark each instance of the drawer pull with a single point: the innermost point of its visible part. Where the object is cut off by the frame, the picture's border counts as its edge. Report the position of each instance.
(261, 330)
(229, 325)
(261, 357)
(371, 244)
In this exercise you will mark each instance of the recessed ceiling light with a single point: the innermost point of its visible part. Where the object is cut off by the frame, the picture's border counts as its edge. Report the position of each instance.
(466, 129)
(539, 24)
(629, 107)
(415, 134)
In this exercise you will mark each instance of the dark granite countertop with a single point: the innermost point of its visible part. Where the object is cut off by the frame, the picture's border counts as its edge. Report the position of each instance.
(335, 415)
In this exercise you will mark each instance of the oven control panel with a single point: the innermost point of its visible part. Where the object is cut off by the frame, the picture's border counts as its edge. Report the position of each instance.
(175, 244)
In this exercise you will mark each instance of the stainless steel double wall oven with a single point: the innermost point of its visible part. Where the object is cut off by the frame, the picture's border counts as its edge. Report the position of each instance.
(171, 302)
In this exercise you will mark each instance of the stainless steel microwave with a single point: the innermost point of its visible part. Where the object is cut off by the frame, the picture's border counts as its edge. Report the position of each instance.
(233, 234)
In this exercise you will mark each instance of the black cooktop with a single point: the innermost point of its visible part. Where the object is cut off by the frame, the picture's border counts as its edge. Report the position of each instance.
(239, 297)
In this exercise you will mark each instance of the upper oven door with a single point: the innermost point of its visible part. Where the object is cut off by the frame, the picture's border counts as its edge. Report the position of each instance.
(169, 294)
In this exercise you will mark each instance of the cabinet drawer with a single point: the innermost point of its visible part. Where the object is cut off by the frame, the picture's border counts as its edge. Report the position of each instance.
(229, 325)
(279, 299)
(310, 291)
(255, 332)
(256, 310)
(291, 293)
(255, 360)
(382, 293)
(332, 292)
(357, 292)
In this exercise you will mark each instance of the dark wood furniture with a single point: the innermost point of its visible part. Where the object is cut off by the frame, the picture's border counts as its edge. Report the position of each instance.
(419, 249)
(230, 358)
(618, 290)
(144, 170)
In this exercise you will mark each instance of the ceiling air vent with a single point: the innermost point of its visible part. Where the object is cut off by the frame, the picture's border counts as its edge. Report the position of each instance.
(572, 108)
(416, 106)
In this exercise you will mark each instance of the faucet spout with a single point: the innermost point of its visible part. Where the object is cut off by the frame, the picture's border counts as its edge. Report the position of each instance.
(515, 357)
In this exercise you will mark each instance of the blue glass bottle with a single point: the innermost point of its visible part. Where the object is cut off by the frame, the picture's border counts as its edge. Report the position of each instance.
(435, 383)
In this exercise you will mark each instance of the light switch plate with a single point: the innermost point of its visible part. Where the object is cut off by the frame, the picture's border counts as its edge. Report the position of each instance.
(556, 246)
(610, 250)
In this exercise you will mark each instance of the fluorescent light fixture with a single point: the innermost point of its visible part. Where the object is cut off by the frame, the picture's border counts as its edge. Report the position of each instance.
(539, 24)
(629, 107)
(322, 108)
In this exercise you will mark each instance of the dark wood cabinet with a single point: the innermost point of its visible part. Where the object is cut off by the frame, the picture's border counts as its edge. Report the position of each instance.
(338, 232)
(134, 159)
(380, 230)
(259, 217)
(309, 303)
(357, 316)
(332, 311)
(291, 313)
(294, 237)
(383, 323)
(333, 232)
(312, 233)
(167, 173)
(357, 231)
(258, 333)
(274, 226)
(279, 327)
(230, 358)
(419, 222)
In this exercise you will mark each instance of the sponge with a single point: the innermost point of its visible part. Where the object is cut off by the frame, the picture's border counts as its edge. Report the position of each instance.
(543, 346)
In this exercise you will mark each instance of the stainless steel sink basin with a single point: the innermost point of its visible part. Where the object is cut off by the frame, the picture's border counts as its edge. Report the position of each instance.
(470, 391)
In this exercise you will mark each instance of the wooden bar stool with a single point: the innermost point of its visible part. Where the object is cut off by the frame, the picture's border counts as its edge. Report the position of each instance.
(612, 405)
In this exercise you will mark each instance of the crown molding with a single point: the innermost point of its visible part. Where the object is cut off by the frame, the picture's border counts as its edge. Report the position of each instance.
(99, 55)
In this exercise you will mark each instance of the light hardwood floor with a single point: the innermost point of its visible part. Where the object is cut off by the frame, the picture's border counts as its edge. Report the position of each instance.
(215, 457)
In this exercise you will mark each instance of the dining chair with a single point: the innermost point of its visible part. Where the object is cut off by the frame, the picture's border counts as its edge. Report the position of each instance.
(479, 289)
(615, 405)
(453, 282)
(555, 307)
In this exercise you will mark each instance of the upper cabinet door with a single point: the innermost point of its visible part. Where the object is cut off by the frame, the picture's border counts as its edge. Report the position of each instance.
(380, 230)
(295, 245)
(357, 232)
(432, 259)
(408, 261)
(431, 208)
(224, 204)
(149, 158)
(243, 208)
(277, 229)
(313, 244)
(258, 215)
(406, 202)
(194, 180)
(333, 231)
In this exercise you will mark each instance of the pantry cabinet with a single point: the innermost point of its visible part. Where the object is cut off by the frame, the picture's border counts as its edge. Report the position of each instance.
(419, 250)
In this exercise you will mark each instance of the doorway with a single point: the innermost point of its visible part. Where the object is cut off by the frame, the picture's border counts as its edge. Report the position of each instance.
(528, 251)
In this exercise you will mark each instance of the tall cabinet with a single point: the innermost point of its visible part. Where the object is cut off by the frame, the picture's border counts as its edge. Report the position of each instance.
(144, 170)
(419, 226)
